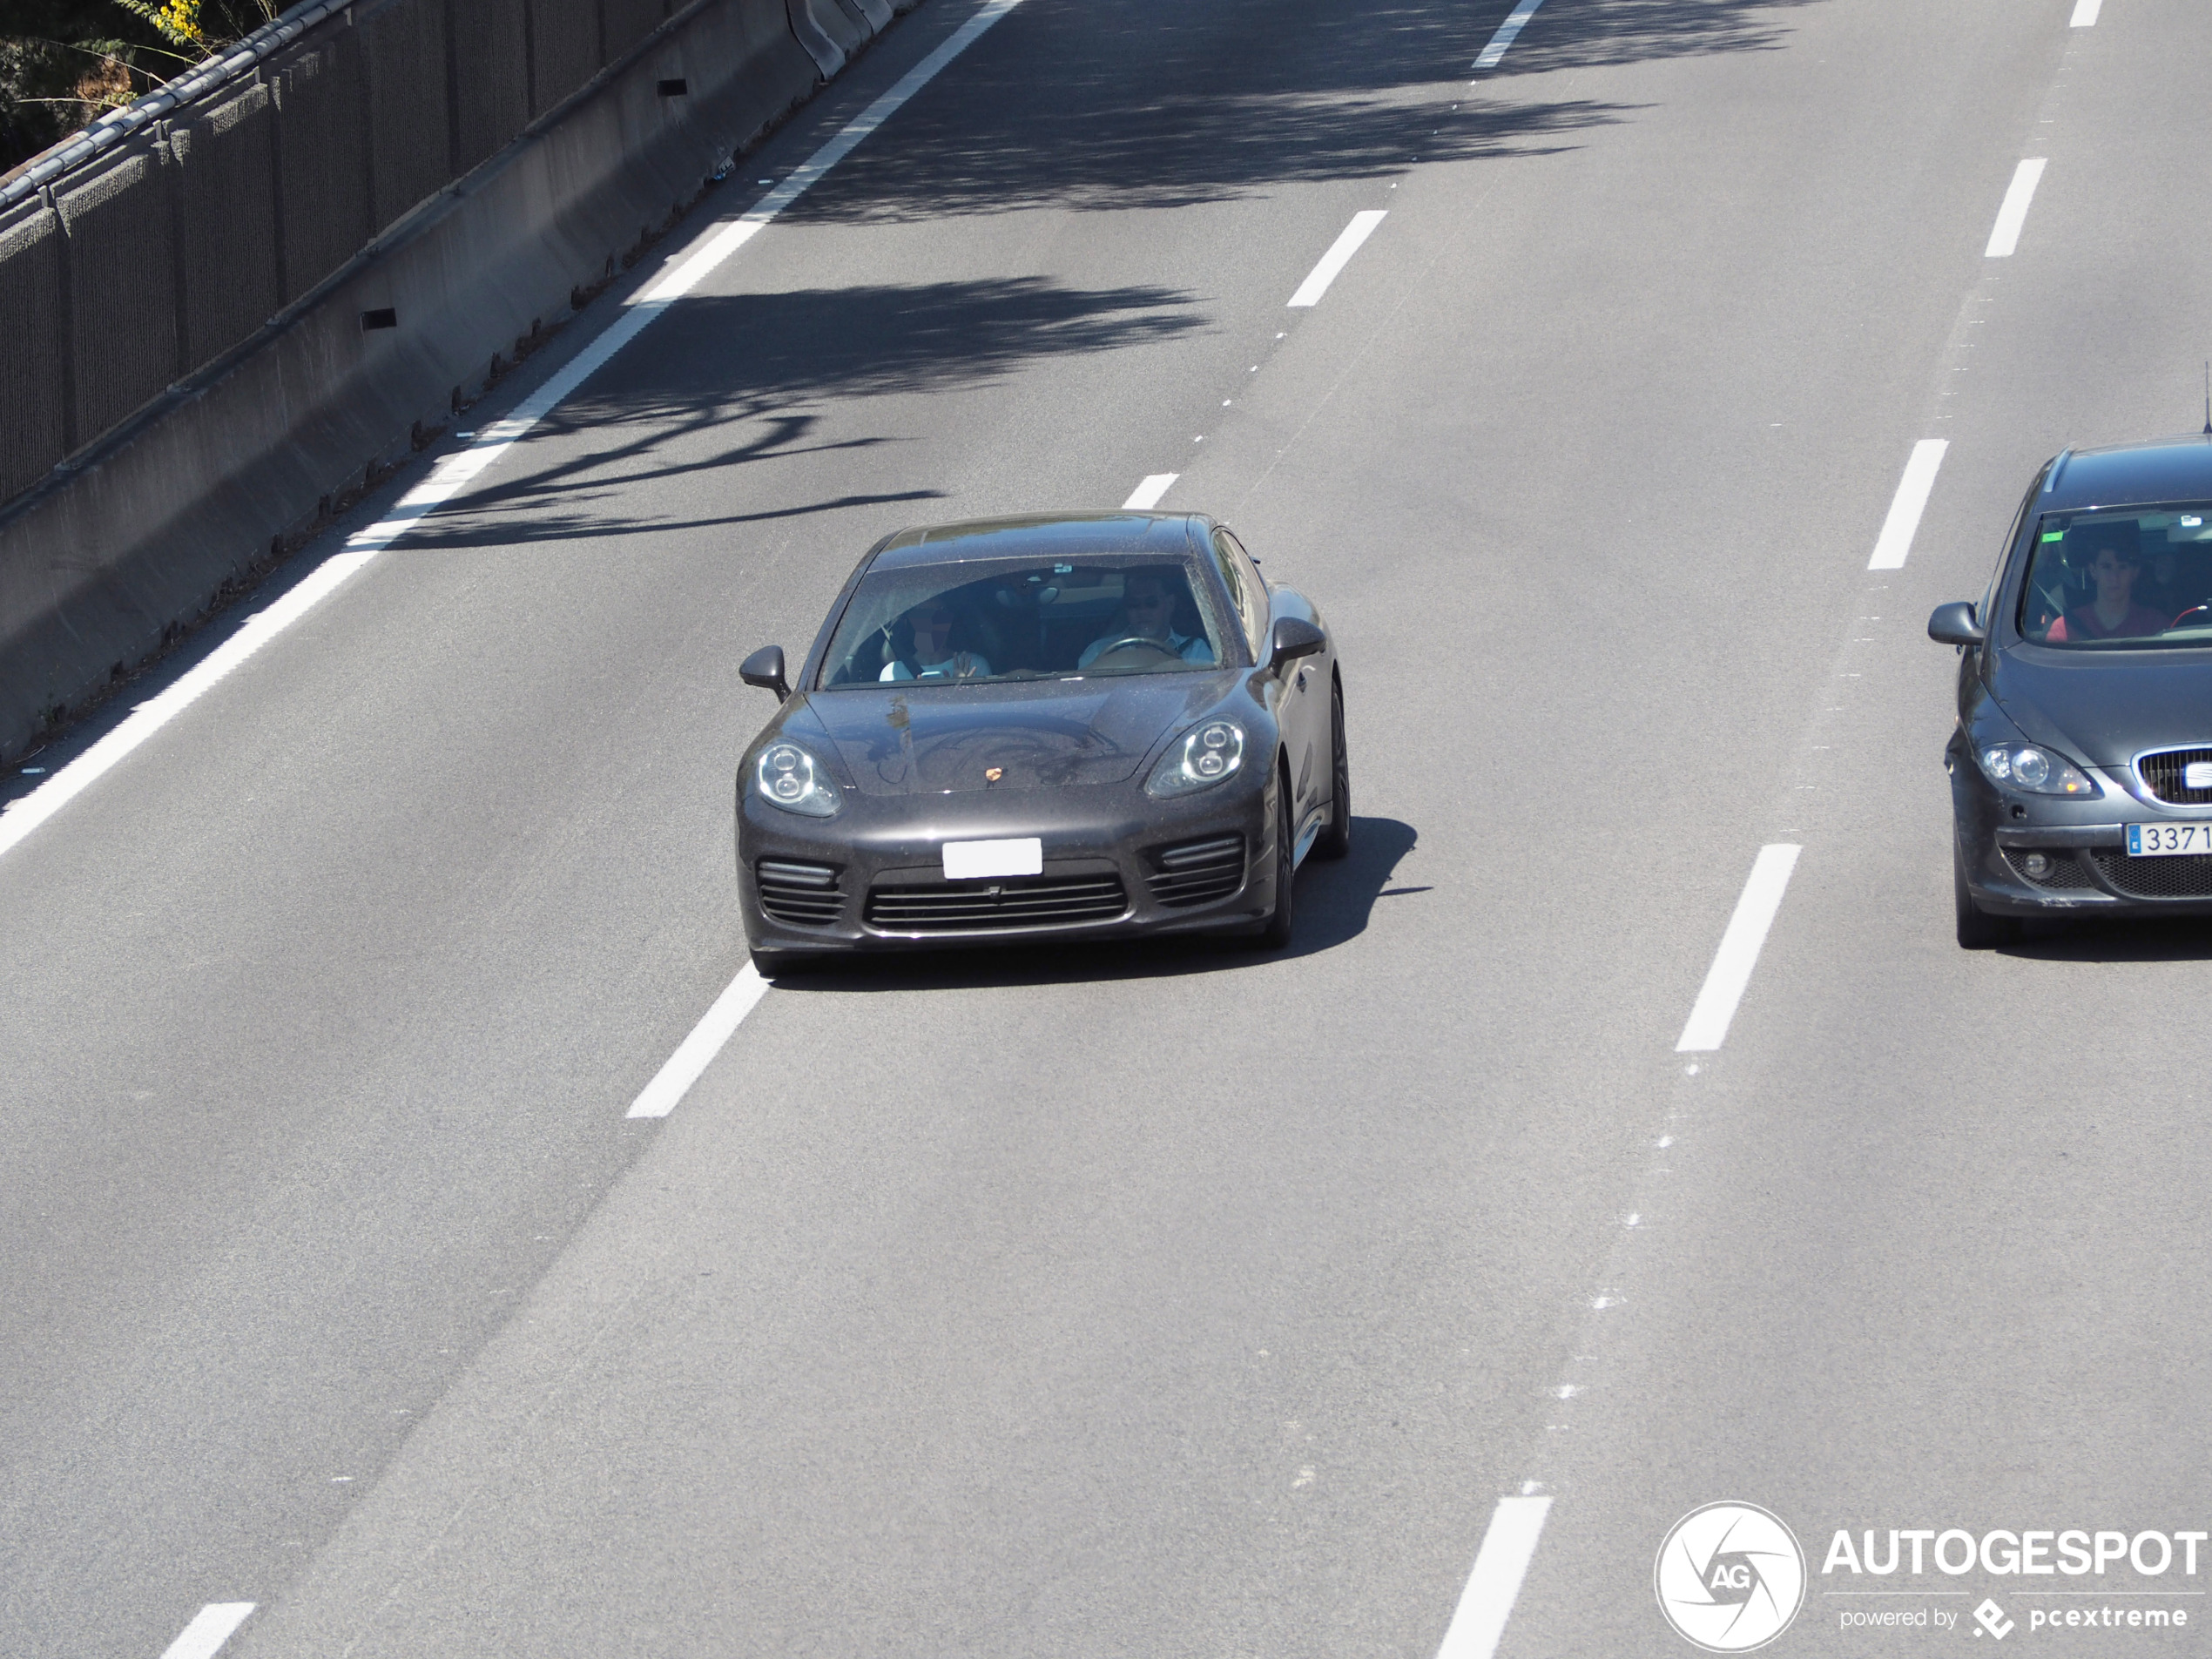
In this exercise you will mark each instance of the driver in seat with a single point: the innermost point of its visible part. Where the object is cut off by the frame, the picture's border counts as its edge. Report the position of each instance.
(1148, 613)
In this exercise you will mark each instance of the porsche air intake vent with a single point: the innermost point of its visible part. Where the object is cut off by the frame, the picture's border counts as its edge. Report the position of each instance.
(1194, 872)
(983, 906)
(799, 895)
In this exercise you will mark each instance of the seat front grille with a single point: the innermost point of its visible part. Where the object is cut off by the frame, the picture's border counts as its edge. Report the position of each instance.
(2162, 775)
(982, 906)
(801, 895)
(1195, 872)
(2188, 876)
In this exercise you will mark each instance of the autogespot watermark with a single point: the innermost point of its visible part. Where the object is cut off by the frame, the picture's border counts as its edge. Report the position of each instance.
(1731, 1577)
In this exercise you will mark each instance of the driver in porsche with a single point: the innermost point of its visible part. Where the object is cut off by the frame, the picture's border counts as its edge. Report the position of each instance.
(1147, 612)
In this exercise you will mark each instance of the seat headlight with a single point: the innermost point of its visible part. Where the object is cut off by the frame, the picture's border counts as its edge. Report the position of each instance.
(1200, 759)
(785, 775)
(2036, 772)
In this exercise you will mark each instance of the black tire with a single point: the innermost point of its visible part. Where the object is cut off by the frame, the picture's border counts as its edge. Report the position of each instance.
(1977, 929)
(1283, 918)
(1335, 842)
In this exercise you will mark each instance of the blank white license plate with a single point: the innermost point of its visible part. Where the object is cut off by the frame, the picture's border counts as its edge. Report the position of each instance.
(966, 860)
(2168, 841)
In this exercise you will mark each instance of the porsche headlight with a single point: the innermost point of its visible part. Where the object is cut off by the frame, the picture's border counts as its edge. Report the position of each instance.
(2037, 772)
(1200, 759)
(785, 775)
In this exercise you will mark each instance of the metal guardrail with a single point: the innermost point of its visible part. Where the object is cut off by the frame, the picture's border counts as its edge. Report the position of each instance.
(114, 127)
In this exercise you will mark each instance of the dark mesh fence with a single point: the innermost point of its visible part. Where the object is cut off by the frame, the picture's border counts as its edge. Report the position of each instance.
(564, 49)
(491, 78)
(322, 158)
(122, 274)
(629, 22)
(231, 283)
(31, 438)
(403, 45)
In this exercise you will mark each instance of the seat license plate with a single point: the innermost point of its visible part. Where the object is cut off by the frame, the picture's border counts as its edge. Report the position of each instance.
(2168, 841)
(966, 860)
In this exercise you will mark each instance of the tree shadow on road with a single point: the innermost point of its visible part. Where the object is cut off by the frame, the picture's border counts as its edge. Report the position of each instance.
(753, 366)
(1146, 117)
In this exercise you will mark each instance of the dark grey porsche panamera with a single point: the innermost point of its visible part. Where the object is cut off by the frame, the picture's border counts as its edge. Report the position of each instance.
(1049, 728)
(2081, 764)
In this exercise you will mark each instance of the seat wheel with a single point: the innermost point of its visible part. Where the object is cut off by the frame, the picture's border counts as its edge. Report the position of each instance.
(1977, 929)
(1283, 918)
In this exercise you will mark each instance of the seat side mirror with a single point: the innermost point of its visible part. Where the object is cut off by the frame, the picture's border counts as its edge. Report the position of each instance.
(764, 668)
(1292, 639)
(1954, 624)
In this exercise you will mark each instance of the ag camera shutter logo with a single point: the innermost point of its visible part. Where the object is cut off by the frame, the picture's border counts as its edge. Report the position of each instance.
(1730, 1577)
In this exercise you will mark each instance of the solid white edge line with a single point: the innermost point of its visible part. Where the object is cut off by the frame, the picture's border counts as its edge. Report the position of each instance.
(1508, 1546)
(1730, 974)
(1512, 26)
(1146, 495)
(1895, 542)
(449, 476)
(209, 1628)
(2085, 13)
(2004, 235)
(1339, 255)
(696, 1053)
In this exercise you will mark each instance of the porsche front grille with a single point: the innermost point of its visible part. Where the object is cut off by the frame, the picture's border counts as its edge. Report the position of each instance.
(799, 895)
(981, 906)
(2163, 774)
(2188, 876)
(1197, 872)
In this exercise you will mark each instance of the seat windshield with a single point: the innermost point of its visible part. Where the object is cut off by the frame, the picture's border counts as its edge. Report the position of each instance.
(973, 622)
(2106, 580)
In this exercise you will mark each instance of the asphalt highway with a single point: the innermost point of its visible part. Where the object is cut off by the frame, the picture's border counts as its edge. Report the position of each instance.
(1167, 1300)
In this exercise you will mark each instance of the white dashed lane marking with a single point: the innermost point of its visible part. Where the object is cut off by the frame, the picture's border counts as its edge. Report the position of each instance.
(1906, 505)
(696, 1053)
(209, 1628)
(1339, 255)
(2012, 214)
(2085, 13)
(1496, 50)
(1499, 1566)
(1147, 494)
(1730, 974)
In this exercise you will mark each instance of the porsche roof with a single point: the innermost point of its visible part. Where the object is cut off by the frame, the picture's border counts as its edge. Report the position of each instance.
(1046, 536)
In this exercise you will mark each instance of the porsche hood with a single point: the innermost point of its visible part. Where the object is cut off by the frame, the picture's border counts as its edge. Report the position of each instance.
(908, 739)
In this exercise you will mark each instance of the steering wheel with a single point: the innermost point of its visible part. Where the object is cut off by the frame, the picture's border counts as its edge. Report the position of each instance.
(2202, 613)
(1127, 640)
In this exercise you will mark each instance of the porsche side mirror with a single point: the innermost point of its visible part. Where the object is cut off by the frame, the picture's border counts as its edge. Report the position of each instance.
(1954, 624)
(1293, 639)
(764, 668)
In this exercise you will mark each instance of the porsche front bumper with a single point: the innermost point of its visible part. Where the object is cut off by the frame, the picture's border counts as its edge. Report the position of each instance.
(1117, 863)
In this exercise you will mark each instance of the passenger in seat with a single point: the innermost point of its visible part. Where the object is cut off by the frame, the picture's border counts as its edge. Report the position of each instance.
(2112, 614)
(933, 657)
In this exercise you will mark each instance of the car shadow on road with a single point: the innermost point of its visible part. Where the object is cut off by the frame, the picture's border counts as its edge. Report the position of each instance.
(1335, 903)
(2155, 939)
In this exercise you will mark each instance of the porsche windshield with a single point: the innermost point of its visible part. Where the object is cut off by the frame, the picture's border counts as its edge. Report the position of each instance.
(2109, 580)
(1026, 619)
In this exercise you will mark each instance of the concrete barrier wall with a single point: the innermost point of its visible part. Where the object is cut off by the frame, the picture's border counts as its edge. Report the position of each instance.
(102, 556)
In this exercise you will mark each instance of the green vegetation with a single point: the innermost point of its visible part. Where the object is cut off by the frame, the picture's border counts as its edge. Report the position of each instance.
(63, 63)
